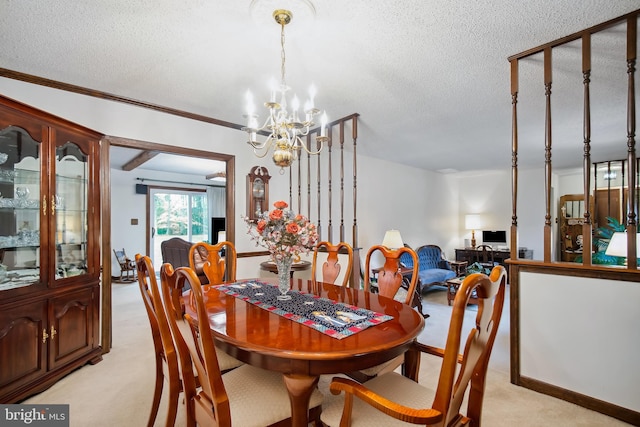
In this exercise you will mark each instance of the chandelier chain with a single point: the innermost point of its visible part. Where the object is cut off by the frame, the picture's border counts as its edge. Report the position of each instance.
(282, 55)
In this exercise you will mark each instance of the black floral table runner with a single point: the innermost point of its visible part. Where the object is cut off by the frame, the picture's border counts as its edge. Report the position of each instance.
(336, 319)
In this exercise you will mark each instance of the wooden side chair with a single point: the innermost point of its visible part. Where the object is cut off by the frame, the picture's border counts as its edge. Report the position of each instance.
(391, 284)
(127, 266)
(390, 280)
(166, 358)
(206, 259)
(246, 396)
(484, 257)
(185, 336)
(389, 398)
(332, 268)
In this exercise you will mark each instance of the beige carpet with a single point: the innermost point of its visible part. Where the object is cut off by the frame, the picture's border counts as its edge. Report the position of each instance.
(118, 390)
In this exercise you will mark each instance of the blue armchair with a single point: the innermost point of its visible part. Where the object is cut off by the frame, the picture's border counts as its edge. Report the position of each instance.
(434, 269)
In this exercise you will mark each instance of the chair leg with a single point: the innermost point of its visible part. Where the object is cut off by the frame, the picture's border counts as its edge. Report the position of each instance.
(314, 416)
(157, 392)
(190, 410)
(173, 406)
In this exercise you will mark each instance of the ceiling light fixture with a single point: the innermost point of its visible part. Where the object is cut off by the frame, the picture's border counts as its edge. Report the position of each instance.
(286, 128)
(217, 176)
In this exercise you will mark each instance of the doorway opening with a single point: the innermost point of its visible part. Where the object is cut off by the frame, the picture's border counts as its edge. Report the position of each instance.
(144, 151)
(177, 213)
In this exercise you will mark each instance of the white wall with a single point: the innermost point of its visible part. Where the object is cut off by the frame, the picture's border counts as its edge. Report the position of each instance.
(487, 193)
(581, 334)
(570, 182)
(531, 211)
(124, 235)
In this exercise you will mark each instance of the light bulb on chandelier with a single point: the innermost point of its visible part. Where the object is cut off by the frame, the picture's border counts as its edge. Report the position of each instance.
(285, 129)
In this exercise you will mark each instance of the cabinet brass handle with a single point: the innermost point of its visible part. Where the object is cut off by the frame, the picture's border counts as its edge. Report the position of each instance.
(44, 205)
(45, 335)
(53, 206)
(53, 332)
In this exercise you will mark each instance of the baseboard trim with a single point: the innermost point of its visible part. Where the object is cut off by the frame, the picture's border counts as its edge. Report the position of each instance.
(610, 409)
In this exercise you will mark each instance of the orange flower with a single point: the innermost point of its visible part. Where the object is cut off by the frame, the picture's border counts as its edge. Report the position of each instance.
(293, 228)
(299, 217)
(275, 214)
(281, 204)
(261, 225)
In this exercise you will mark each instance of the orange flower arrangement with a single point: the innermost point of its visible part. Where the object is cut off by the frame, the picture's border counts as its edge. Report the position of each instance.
(284, 233)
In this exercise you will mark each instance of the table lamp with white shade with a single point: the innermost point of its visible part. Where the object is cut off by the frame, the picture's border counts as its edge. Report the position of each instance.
(392, 239)
(618, 245)
(472, 222)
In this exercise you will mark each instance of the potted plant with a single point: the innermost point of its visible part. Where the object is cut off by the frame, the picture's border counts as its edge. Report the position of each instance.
(601, 239)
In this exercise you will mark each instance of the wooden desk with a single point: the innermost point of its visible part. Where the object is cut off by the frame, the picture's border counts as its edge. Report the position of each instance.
(296, 266)
(500, 257)
(269, 341)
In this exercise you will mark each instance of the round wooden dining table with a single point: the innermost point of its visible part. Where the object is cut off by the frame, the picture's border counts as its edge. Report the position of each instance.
(267, 340)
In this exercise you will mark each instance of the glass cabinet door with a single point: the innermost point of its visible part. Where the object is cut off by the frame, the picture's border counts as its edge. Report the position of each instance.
(20, 159)
(71, 210)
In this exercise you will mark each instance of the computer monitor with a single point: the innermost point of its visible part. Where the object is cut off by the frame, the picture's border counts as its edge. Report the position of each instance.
(494, 237)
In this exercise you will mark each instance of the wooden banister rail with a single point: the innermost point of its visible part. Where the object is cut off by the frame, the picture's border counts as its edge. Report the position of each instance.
(321, 204)
(546, 51)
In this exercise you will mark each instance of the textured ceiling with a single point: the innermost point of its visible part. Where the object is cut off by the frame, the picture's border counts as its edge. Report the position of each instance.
(429, 78)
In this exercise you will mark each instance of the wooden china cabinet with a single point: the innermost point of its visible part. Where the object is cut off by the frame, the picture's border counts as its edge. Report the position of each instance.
(570, 225)
(49, 249)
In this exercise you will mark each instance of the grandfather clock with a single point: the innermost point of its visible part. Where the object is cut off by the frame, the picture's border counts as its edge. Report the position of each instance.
(257, 192)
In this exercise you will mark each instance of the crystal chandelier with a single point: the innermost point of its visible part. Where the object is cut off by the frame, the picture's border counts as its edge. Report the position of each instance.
(285, 128)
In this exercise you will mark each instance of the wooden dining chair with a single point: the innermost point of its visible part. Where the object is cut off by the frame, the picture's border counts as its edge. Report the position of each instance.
(184, 337)
(166, 358)
(174, 306)
(247, 396)
(484, 257)
(331, 267)
(206, 258)
(390, 280)
(391, 284)
(389, 398)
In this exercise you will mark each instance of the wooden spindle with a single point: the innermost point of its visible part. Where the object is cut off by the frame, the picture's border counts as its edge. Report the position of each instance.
(547, 153)
(342, 181)
(514, 159)
(632, 25)
(586, 164)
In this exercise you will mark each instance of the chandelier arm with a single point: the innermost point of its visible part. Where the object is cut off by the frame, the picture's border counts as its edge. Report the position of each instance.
(266, 124)
(266, 146)
(260, 156)
(257, 145)
(304, 131)
(311, 152)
